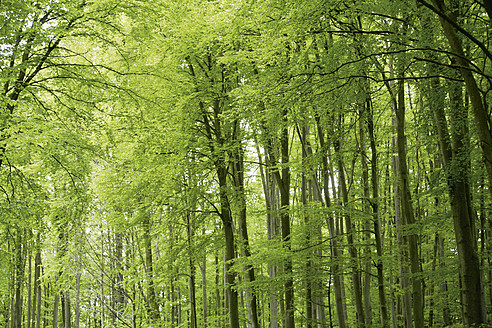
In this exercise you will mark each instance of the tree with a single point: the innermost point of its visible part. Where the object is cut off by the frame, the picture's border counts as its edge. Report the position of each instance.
(298, 153)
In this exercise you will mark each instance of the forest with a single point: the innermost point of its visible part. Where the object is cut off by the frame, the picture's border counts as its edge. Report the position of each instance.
(245, 163)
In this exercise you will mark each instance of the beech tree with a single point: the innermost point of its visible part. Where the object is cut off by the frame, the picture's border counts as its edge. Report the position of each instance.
(245, 164)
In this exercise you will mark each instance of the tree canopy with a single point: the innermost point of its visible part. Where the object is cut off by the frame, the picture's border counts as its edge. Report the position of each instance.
(219, 163)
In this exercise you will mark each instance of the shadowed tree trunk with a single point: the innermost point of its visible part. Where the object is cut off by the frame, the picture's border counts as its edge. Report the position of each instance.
(407, 211)
(335, 267)
(191, 276)
(375, 213)
(282, 178)
(152, 306)
(472, 301)
(271, 201)
(237, 165)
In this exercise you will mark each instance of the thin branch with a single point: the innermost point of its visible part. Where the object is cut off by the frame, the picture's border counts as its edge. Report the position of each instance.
(457, 27)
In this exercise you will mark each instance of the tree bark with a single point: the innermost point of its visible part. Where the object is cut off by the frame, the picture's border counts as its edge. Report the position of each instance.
(356, 278)
(20, 263)
(272, 227)
(152, 306)
(463, 220)
(238, 178)
(29, 292)
(335, 267)
(37, 283)
(375, 215)
(282, 178)
(308, 270)
(67, 317)
(407, 211)
(368, 258)
(227, 224)
(191, 275)
(55, 310)
(203, 270)
(77, 298)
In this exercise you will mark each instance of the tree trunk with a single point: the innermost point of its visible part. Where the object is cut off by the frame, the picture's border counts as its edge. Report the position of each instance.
(29, 293)
(272, 227)
(152, 306)
(356, 279)
(67, 310)
(37, 287)
(308, 272)
(238, 178)
(20, 263)
(227, 224)
(218, 299)
(77, 298)
(37, 284)
(446, 316)
(368, 258)
(119, 297)
(55, 310)
(431, 287)
(463, 220)
(203, 270)
(283, 182)
(191, 275)
(335, 267)
(452, 151)
(407, 210)
(375, 216)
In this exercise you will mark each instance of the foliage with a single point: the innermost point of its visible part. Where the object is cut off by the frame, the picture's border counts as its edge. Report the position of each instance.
(146, 148)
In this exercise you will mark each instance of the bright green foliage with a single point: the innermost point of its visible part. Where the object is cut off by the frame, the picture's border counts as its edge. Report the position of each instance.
(145, 147)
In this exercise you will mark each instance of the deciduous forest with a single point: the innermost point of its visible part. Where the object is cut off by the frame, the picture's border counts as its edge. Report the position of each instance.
(245, 163)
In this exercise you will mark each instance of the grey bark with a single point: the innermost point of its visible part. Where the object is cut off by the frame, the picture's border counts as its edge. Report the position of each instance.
(335, 267)
(238, 179)
(355, 271)
(272, 227)
(407, 211)
(463, 222)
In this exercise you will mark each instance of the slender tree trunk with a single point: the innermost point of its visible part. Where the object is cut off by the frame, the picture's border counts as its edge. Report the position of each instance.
(67, 310)
(238, 178)
(356, 279)
(119, 297)
(396, 214)
(203, 271)
(225, 215)
(101, 264)
(55, 310)
(407, 211)
(19, 279)
(77, 298)
(283, 182)
(37, 284)
(191, 275)
(403, 252)
(431, 287)
(375, 215)
(29, 292)
(308, 262)
(335, 267)
(368, 258)
(218, 298)
(314, 233)
(446, 315)
(272, 228)
(153, 307)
